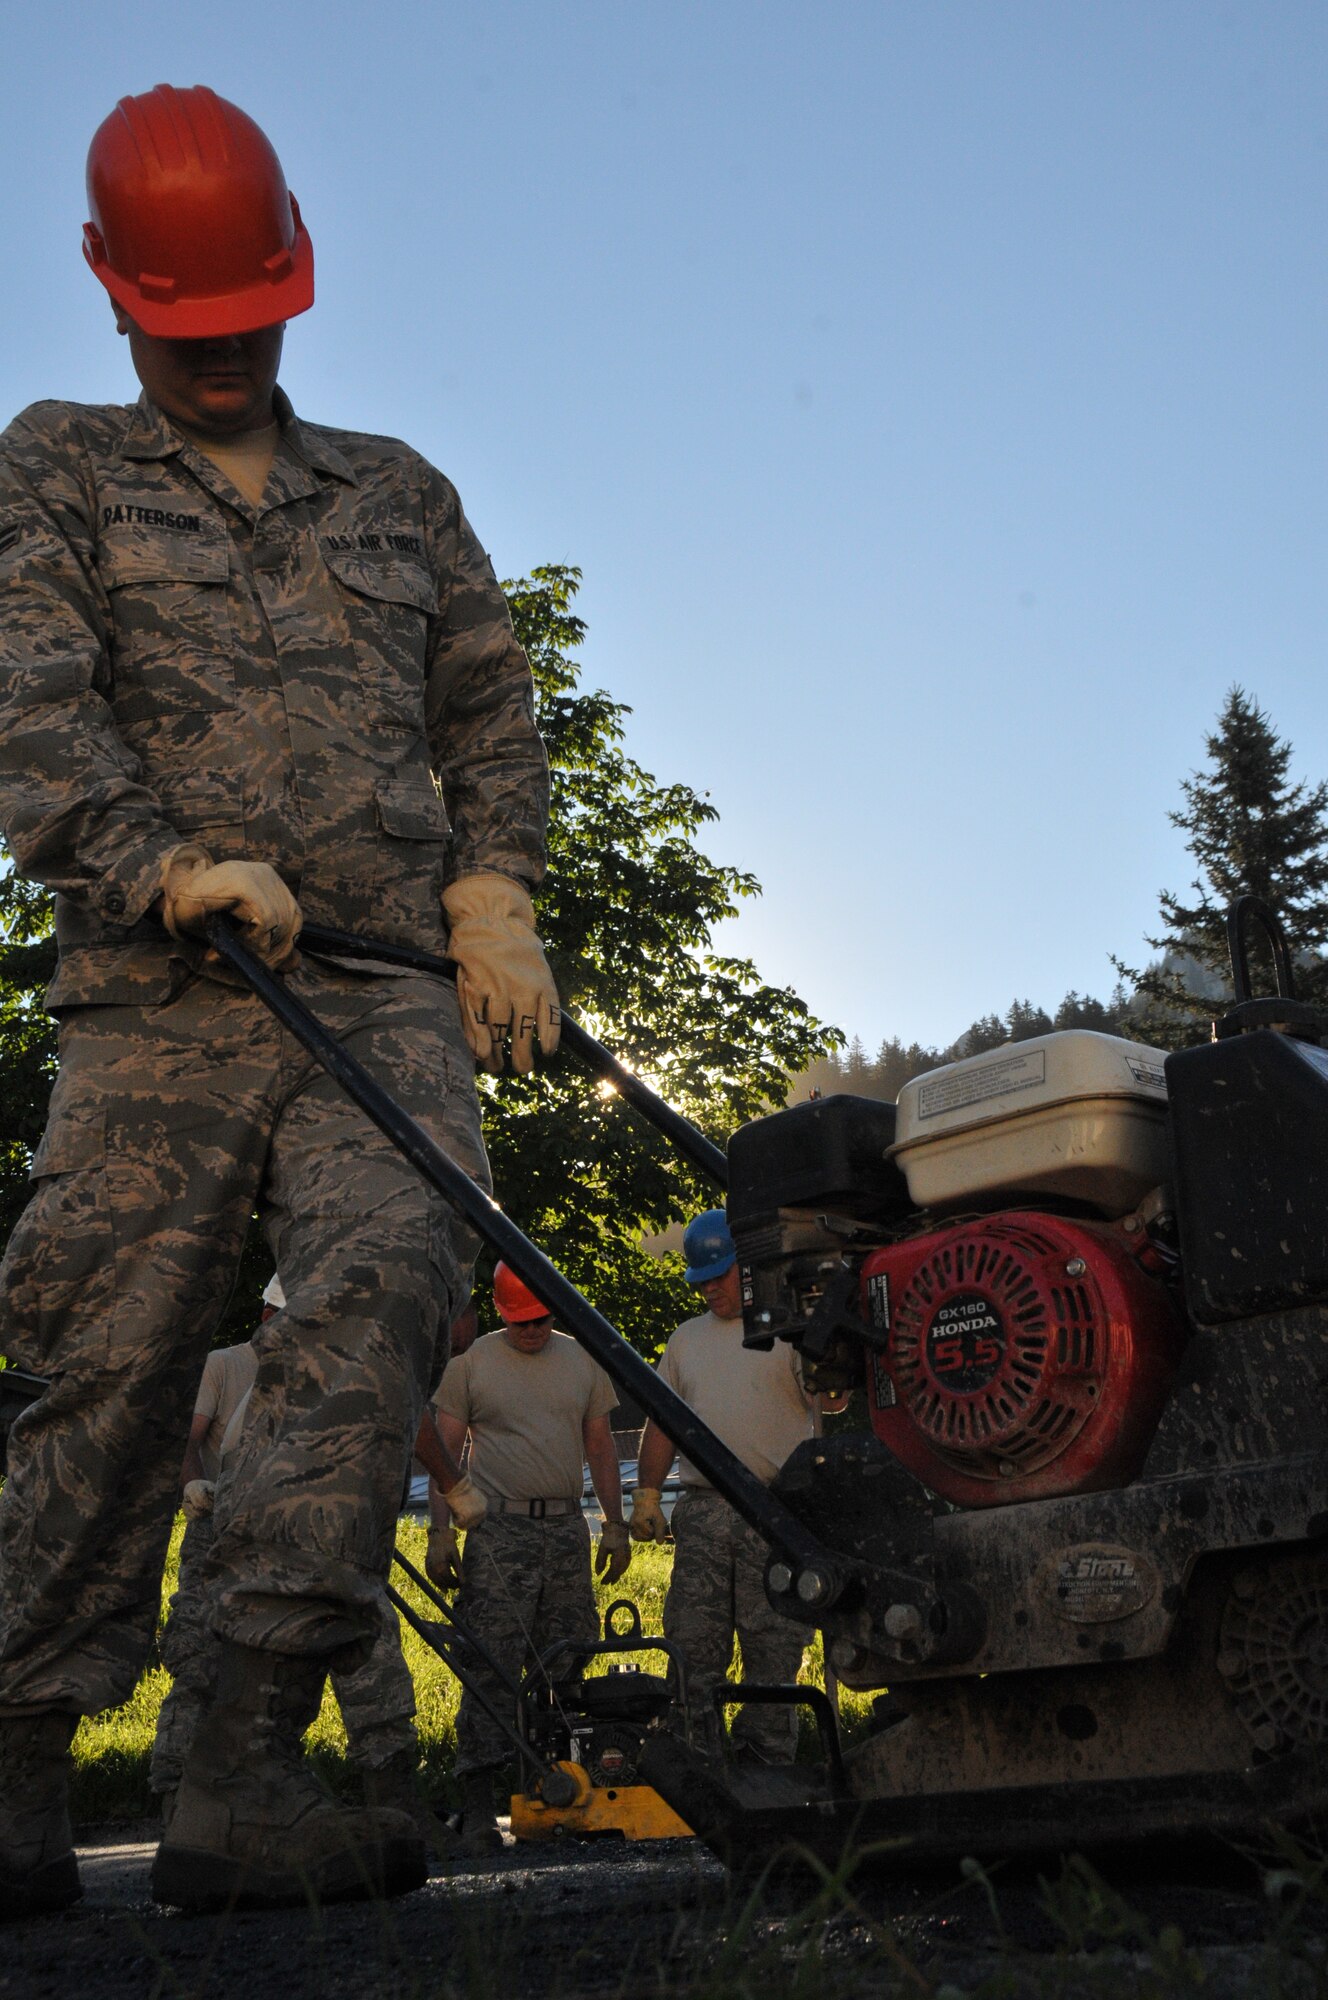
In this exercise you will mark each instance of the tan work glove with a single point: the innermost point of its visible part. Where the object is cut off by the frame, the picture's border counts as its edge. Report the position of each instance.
(614, 1551)
(647, 1523)
(503, 979)
(442, 1561)
(194, 888)
(466, 1504)
(197, 1501)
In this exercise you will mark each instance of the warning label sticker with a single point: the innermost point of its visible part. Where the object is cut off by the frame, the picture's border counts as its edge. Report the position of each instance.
(1149, 1074)
(952, 1092)
(878, 1301)
(883, 1388)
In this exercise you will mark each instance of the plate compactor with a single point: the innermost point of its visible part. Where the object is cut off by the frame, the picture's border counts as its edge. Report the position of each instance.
(1084, 1288)
(1081, 1548)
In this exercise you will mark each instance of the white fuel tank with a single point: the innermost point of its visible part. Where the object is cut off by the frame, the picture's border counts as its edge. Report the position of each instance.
(1077, 1115)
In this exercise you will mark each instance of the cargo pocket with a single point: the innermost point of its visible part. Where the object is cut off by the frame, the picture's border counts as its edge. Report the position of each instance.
(170, 607)
(410, 810)
(59, 1269)
(388, 604)
(413, 845)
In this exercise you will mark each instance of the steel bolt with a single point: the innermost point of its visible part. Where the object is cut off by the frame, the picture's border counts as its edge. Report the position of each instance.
(812, 1586)
(903, 1621)
(844, 1656)
(1075, 1268)
(781, 1577)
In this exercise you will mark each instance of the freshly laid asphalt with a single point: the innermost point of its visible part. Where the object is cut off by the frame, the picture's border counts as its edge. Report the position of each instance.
(659, 1918)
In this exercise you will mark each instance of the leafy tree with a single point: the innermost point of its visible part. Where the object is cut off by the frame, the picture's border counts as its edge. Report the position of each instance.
(1251, 832)
(27, 1037)
(627, 914)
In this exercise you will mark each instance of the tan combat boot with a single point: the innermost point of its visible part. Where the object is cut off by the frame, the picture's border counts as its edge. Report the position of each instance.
(396, 1785)
(38, 1871)
(251, 1823)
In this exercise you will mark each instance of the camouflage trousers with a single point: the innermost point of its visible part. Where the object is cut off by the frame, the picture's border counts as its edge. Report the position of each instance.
(525, 1585)
(168, 1126)
(715, 1591)
(377, 1699)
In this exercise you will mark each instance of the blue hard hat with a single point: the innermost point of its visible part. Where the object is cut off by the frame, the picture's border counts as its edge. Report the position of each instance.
(708, 1247)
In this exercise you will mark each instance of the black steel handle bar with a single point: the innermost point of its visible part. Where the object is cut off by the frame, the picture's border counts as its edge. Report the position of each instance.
(687, 1138)
(820, 1577)
(445, 1636)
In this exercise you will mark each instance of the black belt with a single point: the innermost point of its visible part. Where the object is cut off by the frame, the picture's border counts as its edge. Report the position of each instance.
(536, 1510)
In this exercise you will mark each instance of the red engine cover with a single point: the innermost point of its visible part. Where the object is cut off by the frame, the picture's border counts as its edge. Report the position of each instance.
(1027, 1356)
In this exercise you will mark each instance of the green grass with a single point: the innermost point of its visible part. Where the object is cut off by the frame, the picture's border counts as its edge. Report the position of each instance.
(111, 1751)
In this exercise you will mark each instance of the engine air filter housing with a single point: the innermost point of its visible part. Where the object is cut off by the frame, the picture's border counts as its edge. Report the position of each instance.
(1027, 1355)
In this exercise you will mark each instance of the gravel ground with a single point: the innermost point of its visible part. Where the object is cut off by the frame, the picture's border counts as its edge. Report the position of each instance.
(658, 1919)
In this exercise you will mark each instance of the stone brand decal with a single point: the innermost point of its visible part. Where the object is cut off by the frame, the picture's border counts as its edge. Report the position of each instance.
(1096, 1582)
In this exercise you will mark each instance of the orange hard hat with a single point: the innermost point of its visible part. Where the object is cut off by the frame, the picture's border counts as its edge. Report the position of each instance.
(514, 1300)
(193, 229)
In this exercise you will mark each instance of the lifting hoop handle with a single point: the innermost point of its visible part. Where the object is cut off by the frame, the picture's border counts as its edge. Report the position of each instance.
(1242, 911)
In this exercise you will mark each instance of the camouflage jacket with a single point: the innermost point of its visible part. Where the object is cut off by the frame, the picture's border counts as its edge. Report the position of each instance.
(329, 682)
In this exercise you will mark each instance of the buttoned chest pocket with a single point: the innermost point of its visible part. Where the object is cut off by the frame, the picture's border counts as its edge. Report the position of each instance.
(172, 646)
(388, 605)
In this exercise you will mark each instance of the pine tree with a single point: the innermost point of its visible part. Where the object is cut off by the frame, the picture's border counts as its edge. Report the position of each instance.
(1023, 1021)
(988, 1032)
(1252, 832)
(1081, 1010)
(897, 1064)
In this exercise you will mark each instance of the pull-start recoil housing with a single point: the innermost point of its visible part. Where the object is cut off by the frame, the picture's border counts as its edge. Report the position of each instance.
(1025, 1355)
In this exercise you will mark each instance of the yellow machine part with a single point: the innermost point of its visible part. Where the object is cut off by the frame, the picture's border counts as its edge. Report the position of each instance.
(635, 1811)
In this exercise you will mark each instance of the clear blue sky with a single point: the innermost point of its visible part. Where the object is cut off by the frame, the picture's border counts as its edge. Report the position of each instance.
(932, 394)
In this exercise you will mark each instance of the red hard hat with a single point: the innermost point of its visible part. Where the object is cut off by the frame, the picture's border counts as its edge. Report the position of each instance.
(193, 230)
(514, 1300)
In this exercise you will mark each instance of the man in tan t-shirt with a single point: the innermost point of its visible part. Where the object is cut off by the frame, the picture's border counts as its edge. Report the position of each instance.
(755, 1403)
(536, 1408)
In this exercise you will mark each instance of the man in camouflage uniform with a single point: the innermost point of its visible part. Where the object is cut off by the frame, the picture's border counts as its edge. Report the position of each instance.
(255, 665)
(536, 1407)
(756, 1404)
